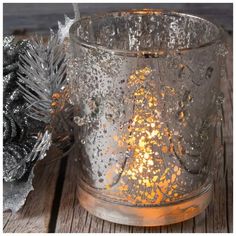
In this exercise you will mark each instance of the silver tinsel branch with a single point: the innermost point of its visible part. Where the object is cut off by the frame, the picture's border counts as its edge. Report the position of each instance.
(41, 81)
(25, 139)
(43, 72)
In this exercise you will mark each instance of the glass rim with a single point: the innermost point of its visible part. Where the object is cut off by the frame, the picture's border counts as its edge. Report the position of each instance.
(145, 53)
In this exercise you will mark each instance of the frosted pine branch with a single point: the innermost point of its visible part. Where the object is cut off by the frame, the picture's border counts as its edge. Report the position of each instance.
(42, 73)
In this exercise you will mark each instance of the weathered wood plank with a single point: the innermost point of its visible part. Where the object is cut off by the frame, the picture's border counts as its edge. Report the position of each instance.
(68, 205)
(108, 227)
(199, 223)
(6, 218)
(71, 216)
(35, 214)
(219, 198)
(29, 18)
(123, 228)
(138, 229)
(188, 226)
(227, 88)
(175, 228)
(209, 222)
(229, 185)
(228, 136)
(153, 229)
(228, 150)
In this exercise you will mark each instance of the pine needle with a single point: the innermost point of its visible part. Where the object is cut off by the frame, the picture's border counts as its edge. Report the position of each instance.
(42, 73)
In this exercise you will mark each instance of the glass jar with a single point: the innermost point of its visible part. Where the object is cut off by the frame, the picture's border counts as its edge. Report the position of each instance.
(145, 85)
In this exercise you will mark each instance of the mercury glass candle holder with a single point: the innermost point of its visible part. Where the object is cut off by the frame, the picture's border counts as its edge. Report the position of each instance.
(145, 85)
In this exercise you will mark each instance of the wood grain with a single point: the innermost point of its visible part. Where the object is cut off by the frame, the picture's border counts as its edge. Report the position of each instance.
(29, 18)
(218, 217)
(35, 214)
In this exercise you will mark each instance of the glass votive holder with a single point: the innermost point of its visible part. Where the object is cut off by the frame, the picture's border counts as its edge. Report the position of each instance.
(145, 85)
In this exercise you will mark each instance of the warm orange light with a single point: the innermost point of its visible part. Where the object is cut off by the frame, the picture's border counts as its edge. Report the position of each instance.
(145, 178)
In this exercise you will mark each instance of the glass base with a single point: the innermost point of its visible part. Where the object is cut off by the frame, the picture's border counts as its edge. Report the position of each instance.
(145, 216)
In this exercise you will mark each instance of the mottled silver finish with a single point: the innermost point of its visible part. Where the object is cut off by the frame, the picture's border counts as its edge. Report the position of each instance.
(145, 86)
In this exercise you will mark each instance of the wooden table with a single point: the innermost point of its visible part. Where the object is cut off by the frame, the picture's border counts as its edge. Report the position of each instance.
(53, 205)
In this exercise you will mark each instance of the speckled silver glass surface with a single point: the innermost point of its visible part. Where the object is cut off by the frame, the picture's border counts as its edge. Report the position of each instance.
(145, 87)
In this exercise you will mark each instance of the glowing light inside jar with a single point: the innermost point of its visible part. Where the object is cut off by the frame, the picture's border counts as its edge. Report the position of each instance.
(146, 178)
